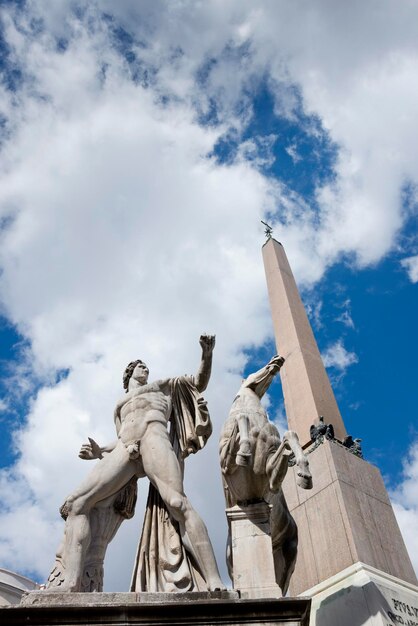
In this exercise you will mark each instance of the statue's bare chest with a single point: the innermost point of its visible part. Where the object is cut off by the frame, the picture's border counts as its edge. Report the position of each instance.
(151, 397)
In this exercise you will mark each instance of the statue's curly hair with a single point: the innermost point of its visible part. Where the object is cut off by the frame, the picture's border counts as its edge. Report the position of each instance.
(128, 373)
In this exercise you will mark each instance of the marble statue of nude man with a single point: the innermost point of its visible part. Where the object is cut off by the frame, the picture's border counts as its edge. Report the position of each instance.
(143, 448)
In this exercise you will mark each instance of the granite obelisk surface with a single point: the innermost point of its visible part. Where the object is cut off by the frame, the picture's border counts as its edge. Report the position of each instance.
(306, 388)
(352, 559)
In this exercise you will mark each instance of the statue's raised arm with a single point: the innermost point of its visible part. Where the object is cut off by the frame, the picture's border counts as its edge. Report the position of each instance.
(146, 446)
(207, 343)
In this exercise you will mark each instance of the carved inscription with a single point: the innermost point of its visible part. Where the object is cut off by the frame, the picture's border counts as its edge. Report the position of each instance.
(404, 614)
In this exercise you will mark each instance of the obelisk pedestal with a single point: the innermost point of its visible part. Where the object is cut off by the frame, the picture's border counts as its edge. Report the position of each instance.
(361, 595)
(344, 519)
(352, 559)
(252, 553)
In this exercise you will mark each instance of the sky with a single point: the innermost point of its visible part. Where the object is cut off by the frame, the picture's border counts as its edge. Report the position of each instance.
(141, 145)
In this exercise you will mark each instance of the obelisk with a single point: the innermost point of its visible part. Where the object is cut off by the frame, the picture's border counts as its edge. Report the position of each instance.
(306, 388)
(352, 559)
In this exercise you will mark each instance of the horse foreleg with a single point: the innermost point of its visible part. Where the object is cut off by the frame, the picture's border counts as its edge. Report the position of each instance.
(244, 453)
(304, 476)
(276, 466)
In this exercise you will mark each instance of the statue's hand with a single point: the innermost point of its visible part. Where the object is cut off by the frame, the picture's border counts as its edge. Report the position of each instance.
(207, 343)
(276, 362)
(90, 451)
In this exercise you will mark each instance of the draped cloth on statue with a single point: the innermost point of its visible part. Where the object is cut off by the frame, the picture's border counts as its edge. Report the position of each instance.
(162, 562)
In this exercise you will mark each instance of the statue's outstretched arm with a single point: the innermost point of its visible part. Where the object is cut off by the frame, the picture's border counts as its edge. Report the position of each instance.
(207, 343)
(92, 450)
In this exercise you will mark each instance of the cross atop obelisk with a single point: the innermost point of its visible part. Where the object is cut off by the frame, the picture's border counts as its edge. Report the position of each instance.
(309, 395)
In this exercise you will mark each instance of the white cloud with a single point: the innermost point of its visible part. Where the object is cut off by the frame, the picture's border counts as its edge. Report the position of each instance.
(126, 240)
(337, 356)
(257, 150)
(313, 308)
(345, 316)
(280, 419)
(346, 319)
(410, 264)
(405, 503)
(354, 81)
(292, 151)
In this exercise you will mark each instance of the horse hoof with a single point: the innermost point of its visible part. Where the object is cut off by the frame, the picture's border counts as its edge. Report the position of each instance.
(304, 481)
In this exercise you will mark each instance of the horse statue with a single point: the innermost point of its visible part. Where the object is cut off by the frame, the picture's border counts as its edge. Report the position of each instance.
(254, 461)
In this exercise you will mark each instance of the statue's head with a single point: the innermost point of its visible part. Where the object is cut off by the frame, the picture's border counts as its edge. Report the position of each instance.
(137, 370)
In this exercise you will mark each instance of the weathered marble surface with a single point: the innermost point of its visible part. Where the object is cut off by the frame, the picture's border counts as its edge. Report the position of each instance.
(94, 511)
(57, 598)
(254, 461)
(361, 595)
(221, 608)
(253, 572)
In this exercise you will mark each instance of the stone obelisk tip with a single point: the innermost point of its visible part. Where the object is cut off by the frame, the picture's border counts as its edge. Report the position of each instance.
(306, 388)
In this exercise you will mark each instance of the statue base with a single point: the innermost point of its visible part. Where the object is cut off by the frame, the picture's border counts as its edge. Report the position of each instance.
(153, 609)
(362, 595)
(252, 552)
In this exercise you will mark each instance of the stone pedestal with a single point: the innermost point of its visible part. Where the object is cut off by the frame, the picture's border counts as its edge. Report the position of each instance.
(363, 596)
(347, 517)
(252, 555)
(222, 608)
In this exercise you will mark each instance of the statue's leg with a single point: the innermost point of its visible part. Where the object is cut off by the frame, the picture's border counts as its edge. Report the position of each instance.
(289, 551)
(277, 465)
(108, 476)
(244, 453)
(163, 469)
(284, 536)
(304, 477)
